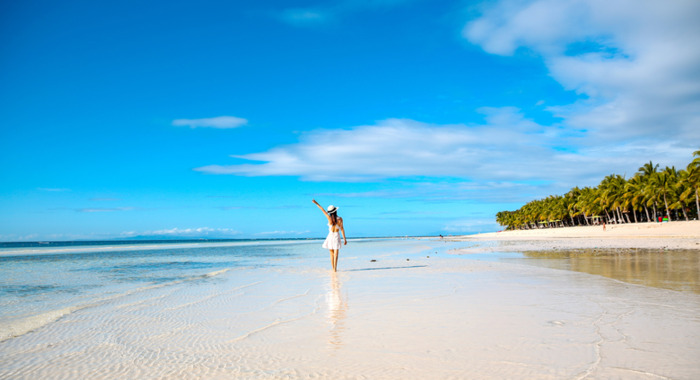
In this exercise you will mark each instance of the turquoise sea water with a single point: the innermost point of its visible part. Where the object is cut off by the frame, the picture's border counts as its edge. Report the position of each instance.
(41, 282)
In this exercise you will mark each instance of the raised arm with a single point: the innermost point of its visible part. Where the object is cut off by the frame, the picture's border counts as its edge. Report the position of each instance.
(322, 209)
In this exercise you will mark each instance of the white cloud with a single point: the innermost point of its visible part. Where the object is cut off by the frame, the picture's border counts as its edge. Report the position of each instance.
(507, 147)
(18, 237)
(115, 209)
(471, 226)
(332, 11)
(305, 16)
(282, 233)
(396, 148)
(636, 63)
(437, 191)
(187, 232)
(221, 122)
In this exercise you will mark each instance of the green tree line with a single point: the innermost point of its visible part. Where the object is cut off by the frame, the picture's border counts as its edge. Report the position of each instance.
(649, 194)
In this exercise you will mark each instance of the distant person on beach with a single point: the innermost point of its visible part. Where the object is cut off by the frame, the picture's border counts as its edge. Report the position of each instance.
(335, 227)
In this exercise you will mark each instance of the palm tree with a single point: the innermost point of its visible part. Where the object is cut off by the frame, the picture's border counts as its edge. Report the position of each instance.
(663, 184)
(692, 182)
(634, 195)
(646, 173)
(610, 195)
(587, 203)
(681, 202)
(648, 187)
(571, 203)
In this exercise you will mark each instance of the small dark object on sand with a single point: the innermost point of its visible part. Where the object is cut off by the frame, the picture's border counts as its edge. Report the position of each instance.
(373, 261)
(408, 259)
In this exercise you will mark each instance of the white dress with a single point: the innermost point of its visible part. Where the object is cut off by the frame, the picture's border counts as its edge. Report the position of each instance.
(332, 240)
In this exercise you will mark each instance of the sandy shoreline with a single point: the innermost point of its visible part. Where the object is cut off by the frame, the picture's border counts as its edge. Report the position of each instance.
(672, 235)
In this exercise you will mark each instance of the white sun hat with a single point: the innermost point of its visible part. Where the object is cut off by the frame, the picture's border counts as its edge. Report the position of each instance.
(332, 209)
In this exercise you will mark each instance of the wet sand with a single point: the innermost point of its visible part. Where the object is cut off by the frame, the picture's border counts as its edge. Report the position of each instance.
(438, 317)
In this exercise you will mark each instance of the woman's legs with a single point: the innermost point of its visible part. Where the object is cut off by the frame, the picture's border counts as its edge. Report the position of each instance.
(334, 259)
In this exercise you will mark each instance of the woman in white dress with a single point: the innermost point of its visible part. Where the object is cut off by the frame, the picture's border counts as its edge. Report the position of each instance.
(335, 227)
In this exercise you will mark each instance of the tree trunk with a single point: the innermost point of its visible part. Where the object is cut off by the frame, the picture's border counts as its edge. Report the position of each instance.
(622, 216)
(627, 216)
(608, 215)
(634, 212)
(646, 209)
(697, 202)
(585, 217)
(685, 214)
(668, 213)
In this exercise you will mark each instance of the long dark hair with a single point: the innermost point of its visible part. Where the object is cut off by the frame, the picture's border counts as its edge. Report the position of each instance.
(334, 217)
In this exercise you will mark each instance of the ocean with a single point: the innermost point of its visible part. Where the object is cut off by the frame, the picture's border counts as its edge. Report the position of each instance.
(41, 282)
(397, 308)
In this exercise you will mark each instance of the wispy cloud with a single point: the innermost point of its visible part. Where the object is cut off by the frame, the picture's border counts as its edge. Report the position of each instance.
(473, 225)
(220, 122)
(53, 189)
(187, 232)
(507, 147)
(281, 207)
(436, 191)
(282, 233)
(332, 11)
(115, 209)
(18, 237)
(306, 16)
(635, 63)
(394, 148)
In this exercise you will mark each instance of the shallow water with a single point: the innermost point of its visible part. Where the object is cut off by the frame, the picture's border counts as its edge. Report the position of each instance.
(668, 269)
(396, 309)
(40, 284)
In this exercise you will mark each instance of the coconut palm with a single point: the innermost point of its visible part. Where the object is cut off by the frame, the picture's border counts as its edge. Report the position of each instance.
(634, 196)
(671, 189)
(572, 205)
(682, 184)
(646, 173)
(662, 186)
(692, 182)
(610, 193)
(587, 203)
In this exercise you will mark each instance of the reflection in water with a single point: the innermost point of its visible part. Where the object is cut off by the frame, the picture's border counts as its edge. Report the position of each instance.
(675, 269)
(337, 309)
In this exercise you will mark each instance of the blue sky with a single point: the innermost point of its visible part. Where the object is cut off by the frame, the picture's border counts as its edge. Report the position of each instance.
(223, 119)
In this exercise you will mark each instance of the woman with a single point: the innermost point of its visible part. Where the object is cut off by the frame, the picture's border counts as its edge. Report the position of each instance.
(335, 226)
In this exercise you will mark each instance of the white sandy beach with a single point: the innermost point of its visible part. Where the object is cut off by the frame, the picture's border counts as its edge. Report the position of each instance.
(671, 235)
(405, 316)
